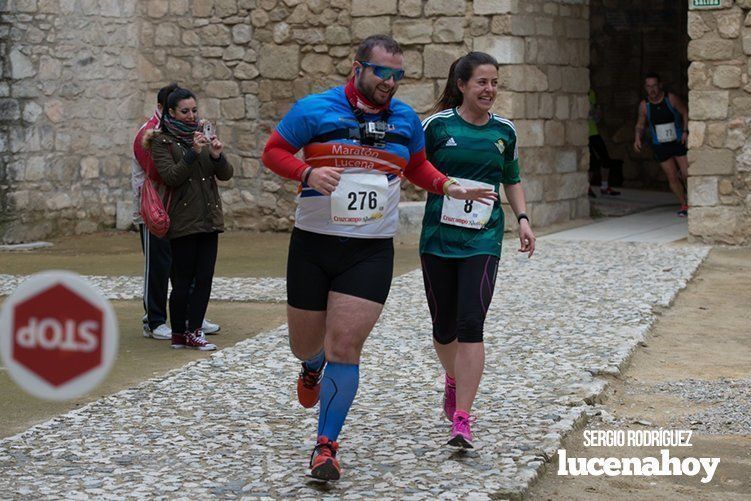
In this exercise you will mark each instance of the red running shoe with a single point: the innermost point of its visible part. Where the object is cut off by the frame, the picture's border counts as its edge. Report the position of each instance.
(323, 463)
(308, 386)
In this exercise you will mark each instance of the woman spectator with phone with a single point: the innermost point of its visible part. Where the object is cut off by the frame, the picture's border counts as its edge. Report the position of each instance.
(188, 155)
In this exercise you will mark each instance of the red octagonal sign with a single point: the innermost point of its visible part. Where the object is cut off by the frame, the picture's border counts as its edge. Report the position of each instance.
(58, 336)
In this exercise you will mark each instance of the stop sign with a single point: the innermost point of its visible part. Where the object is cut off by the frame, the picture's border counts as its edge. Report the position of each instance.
(58, 336)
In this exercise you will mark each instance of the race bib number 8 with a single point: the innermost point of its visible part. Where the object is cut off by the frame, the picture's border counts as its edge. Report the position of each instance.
(666, 133)
(359, 199)
(466, 213)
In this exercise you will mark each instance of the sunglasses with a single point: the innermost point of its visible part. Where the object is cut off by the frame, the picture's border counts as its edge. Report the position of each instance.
(384, 72)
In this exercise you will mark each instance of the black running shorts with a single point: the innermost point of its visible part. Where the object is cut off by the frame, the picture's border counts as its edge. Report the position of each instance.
(666, 151)
(317, 264)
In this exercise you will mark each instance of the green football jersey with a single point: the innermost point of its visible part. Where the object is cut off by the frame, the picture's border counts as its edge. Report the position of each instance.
(485, 153)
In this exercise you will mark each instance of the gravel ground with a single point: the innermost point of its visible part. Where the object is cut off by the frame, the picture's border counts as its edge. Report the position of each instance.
(230, 426)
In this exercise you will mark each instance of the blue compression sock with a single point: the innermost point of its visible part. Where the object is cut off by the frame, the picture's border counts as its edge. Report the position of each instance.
(316, 363)
(338, 389)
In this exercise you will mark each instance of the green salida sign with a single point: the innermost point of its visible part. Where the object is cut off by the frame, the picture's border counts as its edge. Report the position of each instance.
(706, 3)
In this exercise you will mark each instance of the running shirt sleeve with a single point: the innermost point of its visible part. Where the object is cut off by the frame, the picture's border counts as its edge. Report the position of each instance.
(422, 173)
(417, 139)
(279, 157)
(296, 127)
(510, 171)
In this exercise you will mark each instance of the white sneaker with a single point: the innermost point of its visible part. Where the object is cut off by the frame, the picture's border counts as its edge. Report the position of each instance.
(161, 332)
(209, 327)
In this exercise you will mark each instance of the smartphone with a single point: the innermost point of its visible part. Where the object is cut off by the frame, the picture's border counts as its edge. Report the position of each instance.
(208, 130)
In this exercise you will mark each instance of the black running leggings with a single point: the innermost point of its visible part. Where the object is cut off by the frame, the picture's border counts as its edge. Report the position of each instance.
(193, 260)
(459, 291)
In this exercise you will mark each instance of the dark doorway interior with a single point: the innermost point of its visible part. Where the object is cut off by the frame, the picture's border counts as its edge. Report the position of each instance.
(629, 38)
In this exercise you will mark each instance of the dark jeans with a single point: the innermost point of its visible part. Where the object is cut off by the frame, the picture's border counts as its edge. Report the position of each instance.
(193, 260)
(158, 260)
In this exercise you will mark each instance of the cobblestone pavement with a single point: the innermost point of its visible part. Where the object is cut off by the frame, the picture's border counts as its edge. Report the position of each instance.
(223, 289)
(229, 426)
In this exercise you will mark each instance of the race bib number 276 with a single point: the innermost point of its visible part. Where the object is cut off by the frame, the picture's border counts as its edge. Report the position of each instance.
(359, 199)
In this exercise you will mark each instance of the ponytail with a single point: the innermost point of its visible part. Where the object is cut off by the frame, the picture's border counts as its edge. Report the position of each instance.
(461, 69)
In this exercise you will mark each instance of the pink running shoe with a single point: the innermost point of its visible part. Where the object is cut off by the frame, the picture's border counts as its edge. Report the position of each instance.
(461, 436)
(449, 397)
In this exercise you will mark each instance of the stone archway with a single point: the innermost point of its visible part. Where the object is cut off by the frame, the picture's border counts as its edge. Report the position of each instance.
(629, 38)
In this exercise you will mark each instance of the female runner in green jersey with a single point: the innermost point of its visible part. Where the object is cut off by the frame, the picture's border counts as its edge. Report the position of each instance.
(460, 244)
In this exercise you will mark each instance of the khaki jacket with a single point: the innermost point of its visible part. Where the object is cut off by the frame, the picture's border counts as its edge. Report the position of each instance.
(195, 205)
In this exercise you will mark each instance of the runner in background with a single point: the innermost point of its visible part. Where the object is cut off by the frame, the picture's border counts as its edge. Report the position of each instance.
(666, 117)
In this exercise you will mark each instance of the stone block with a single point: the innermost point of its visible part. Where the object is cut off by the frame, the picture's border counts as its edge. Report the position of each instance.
(530, 133)
(246, 71)
(20, 65)
(725, 187)
(157, 8)
(420, 97)
(215, 35)
(554, 133)
(509, 105)
(716, 134)
(413, 31)
(697, 27)
(242, 33)
(744, 158)
(485, 7)
(89, 167)
(279, 62)
(500, 25)
(448, 29)
(506, 50)
(337, 35)
(363, 27)
(49, 68)
(410, 8)
(720, 224)
(252, 106)
(445, 7)
(565, 161)
(524, 78)
(567, 186)
(708, 161)
(575, 80)
(363, 8)
(562, 111)
(747, 44)
(533, 189)
(729, 22)
(222, 89)
(532, 105)
(437, 59)
(696, 132)
(708, 105)
(522, 25)
(577, 28)
(702, 191)
(413, 64)
(727, 77)
(546, 109)
(9, 109)
(225, 8)
(577, 132)
(234, 108)
(317, 64)
(710, 49)
(738, 132)
(699, 76)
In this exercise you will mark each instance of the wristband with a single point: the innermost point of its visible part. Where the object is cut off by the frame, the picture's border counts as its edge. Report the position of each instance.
(521, 216)
(446, 185)
(307, 175)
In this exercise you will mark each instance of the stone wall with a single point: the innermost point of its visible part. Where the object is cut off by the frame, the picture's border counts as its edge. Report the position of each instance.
(633, 37)
(720, 123)
(82, 76)
(68, 100)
